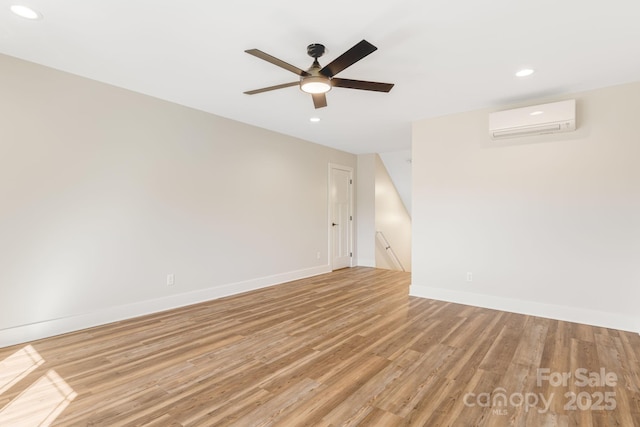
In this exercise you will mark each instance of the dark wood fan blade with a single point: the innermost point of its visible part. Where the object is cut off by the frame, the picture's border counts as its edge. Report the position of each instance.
(350, 57)
(275, 61)
(319, 100)
(267, 89)
(362, 85)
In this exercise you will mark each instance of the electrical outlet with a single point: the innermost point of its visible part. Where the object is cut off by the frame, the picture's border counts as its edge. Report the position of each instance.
(469, 276)
(171, 279)
(317, 255)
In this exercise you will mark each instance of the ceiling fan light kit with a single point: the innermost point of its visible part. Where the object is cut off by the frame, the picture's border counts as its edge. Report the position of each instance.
(318, 80)
(315, 84)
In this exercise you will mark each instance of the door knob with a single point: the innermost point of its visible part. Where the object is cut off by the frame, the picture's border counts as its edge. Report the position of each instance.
(333, 224)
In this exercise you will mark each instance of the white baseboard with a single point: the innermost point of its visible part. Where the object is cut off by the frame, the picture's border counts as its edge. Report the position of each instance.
(557, 312)
(48, 328)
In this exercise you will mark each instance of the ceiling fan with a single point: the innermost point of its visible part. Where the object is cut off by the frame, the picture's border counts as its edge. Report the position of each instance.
(319, 80)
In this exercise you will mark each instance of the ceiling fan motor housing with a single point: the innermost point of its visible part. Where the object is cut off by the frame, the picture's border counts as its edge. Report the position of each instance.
(315, 50)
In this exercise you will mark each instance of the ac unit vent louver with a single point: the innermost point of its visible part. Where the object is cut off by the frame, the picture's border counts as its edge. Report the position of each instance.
(541, 119)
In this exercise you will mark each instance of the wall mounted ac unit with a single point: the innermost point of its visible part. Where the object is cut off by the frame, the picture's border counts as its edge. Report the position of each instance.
(534, 120)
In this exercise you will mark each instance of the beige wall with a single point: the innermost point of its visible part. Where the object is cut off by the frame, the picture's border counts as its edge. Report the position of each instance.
(380, 208)
(366, 209)
(103, 192)
(393, 221)
(548, 225)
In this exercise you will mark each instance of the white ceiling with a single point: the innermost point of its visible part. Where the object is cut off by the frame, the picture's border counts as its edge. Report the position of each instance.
(443, 56)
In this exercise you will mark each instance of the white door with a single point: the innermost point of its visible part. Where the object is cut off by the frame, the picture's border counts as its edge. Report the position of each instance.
(340, 216)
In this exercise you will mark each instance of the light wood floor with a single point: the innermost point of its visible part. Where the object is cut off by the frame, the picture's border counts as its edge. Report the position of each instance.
(347, 348)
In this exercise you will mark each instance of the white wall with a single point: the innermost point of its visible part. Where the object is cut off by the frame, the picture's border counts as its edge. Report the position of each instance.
(103, 192)
(380, 208)
(398, 164)
(366, 209)
(548, 225)
(392, 220)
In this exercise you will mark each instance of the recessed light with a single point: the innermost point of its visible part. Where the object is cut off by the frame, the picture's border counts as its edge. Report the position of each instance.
(25, 12)
(525, 72)
(314, 119)
(536, 113)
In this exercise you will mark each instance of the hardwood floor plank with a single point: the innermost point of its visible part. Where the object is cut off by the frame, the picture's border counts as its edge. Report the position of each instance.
(502, 350)
(346, 348)
(416, 382)
(338, 388)
(280, 404)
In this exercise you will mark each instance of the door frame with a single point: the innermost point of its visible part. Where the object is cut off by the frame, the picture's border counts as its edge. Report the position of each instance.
(349, 169)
